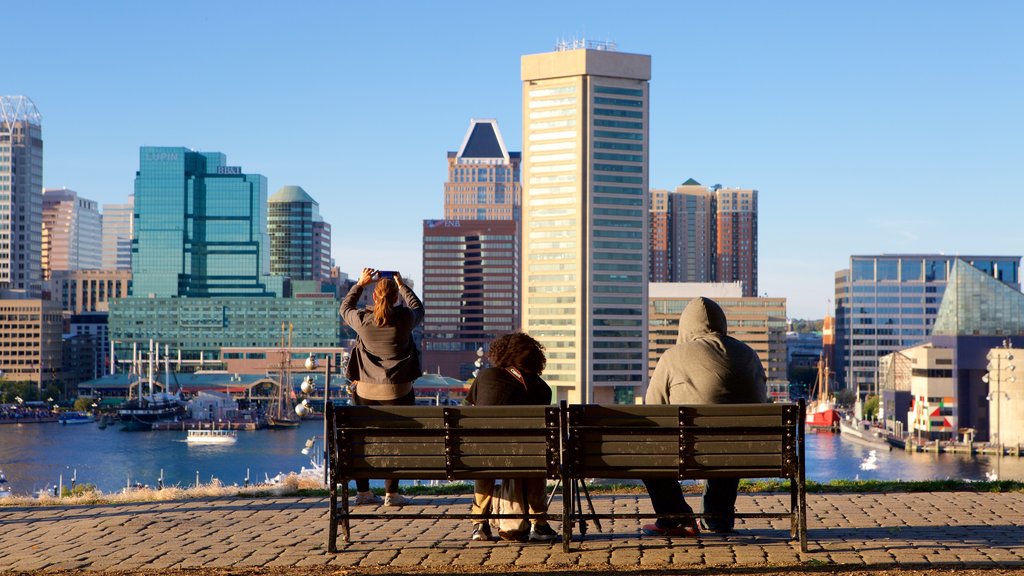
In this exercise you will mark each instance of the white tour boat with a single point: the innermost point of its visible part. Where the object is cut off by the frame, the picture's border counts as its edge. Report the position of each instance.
(211, 437)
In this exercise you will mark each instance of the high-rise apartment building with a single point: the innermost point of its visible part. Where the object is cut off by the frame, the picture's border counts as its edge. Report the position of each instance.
(471, 259)
(585, 173)
(72, 233)
(300, 240)
(888, 302)
(736, 230)
(30, 340)
(483, 177)
(470, 290)
(118, 226)
(21, 196)
(659, 253)
(200, 227)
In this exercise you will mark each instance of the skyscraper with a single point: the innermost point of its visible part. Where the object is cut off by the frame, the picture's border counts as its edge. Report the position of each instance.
(483, 177)
(659, 253)
(21, 198)
(736, 226)
(300, 240)
(585, 133)
(201, 227)
(118, 226)
(71, 232)
(471, 259)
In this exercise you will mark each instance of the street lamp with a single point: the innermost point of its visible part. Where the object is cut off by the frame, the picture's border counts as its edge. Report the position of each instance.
(997, 396)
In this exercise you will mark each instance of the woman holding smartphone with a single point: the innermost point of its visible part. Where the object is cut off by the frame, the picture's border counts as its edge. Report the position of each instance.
(384, 362)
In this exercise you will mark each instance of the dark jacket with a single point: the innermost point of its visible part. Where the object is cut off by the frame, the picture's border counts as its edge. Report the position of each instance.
(706, 366)
(384, 354)
(496, 387)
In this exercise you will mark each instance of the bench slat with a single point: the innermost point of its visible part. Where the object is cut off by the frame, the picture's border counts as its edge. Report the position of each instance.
(387, 462)
(660, 446)
(471, 448)
(671, 462)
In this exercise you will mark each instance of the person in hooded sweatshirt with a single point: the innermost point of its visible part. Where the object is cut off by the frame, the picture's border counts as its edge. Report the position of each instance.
(706, 366)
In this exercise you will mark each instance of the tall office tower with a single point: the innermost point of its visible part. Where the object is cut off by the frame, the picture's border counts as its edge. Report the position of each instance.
(300, 240)
(585, 133)
(736, 219)
(200, 227)
(692, 229)
(118, 225)
(21, 198)
(470, 290)
(888, 302)
(471, 259)
(483, 177)
(72, 233)
(659, 253)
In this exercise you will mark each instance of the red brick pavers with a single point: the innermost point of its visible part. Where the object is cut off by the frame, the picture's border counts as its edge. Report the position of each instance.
(845, 530)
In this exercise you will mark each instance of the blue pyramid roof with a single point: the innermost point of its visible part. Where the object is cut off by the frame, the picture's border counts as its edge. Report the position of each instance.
(483, 141)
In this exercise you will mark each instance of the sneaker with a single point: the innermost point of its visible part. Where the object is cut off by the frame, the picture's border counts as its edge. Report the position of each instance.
(482, 533)
(367, 498)
(678, 531)
(542, 533)
(395, 500)
(514, 535)
(704, 525)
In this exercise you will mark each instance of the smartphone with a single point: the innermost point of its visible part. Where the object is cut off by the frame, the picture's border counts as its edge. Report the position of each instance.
(386, 274)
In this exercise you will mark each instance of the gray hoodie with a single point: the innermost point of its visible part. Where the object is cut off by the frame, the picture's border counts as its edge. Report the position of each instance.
(706, 366)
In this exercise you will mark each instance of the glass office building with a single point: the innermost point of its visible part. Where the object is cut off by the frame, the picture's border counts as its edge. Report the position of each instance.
(200, 227)
(300, 240)
(889, 302)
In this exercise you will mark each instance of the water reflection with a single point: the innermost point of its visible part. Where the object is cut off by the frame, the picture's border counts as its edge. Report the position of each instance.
(34, 456)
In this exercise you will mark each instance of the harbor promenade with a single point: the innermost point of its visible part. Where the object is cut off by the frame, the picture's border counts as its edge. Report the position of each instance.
(863, 532)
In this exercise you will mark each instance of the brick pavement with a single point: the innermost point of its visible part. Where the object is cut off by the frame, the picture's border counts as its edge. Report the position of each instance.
(846, 530)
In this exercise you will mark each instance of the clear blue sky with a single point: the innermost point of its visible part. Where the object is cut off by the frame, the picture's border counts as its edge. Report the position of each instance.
(867, 127)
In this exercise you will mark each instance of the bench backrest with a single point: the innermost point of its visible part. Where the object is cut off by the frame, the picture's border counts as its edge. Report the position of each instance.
(434, 442)
(684, 442)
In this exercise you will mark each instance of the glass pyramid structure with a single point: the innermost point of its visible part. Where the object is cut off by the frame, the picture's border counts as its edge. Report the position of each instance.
(976, 304)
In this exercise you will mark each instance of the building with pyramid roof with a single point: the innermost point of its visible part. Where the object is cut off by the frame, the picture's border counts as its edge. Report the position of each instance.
(977, 315)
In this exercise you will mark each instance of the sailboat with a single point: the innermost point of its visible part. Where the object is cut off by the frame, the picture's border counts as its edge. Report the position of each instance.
(143, 407)
(821, 411)
(281, 412)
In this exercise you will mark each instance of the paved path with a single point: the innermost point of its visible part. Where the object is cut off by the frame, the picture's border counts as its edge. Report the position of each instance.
(850, 530)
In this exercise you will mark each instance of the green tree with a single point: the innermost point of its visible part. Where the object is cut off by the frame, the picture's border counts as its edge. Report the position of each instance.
(871, 408)
(83, 404)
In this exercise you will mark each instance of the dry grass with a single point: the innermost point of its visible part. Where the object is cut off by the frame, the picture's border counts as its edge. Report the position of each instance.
(291, 484)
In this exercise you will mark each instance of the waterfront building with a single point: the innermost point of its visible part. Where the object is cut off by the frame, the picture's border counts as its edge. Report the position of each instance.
(200, 228)
(1005, 398)
(199, 276)
(470, 290)
(72, 233)
(300, 240)
(21, 198)
(889, 302)
(585, 182)
(932, 414)
(118, 229)
(483, 176)
(93, 355)
(758, 322)
(736, 237)
(30, 340)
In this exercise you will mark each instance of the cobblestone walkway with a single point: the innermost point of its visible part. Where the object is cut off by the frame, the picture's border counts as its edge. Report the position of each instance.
(847, 530)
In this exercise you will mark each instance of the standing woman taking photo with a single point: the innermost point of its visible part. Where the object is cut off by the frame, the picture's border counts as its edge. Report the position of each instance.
(384, 361)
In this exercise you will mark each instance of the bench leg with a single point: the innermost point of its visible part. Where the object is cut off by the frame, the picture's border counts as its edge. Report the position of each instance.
(794, 509)
(567, 513)
(345, 531)
(803, 517)
(332, 515)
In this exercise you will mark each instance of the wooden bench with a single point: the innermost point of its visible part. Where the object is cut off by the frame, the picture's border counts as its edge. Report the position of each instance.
(565, 443)
(690, 442)
(436, 443)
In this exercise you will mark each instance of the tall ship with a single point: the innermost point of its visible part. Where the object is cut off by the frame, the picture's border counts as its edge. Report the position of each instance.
(821, 408)
(281, 411)
(146, 404)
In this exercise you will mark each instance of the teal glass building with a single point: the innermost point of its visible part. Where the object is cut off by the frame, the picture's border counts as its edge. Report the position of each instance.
(201, 265)
(200, 227)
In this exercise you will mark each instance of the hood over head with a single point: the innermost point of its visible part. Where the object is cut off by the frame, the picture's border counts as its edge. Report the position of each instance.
(702, 316)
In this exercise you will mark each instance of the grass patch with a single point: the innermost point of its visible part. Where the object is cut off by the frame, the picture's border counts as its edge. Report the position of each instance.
(304, 487)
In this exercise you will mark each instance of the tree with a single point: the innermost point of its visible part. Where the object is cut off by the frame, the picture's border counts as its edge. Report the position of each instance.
(871, 408)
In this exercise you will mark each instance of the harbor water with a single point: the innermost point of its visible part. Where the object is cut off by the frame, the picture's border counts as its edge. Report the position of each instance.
(35, 456)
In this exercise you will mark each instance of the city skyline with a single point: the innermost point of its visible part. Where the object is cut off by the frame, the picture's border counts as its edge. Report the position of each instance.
(859, 125)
